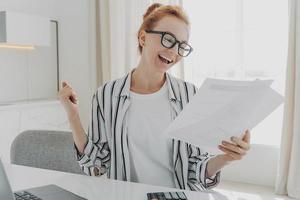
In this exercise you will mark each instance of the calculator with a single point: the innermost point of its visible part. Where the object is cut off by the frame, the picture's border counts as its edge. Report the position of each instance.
(166, 196)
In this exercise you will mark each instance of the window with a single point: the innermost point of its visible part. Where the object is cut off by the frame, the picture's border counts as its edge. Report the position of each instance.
(244, 40)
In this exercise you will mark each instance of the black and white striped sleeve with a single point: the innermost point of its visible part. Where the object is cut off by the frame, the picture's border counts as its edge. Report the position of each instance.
(197, 169)
(96, 157)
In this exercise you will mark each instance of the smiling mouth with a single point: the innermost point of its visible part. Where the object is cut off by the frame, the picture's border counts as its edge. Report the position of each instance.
(164, 59)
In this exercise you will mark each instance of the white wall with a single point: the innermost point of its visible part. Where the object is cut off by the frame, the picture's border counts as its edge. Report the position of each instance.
(73, 18)
(258, 167)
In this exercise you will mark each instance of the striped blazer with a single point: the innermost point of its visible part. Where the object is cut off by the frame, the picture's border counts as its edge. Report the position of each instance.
(107, 148)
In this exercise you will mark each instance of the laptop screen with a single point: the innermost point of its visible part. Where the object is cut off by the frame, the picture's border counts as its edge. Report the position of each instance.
(5, 189)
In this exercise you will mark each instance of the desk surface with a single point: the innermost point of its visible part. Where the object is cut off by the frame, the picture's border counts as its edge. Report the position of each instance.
(22, 177)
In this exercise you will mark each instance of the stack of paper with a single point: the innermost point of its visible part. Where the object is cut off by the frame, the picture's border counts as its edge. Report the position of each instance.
(221, 109)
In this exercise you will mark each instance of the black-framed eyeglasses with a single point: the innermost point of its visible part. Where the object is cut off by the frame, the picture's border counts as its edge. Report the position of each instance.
(169, 41)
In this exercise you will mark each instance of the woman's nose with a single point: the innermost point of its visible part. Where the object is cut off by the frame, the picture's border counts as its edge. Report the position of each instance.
(174, 49)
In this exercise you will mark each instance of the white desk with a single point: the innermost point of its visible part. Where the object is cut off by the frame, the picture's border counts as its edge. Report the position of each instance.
(22, 177)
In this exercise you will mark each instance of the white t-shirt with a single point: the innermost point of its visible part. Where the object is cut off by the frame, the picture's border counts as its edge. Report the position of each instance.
(150, 153)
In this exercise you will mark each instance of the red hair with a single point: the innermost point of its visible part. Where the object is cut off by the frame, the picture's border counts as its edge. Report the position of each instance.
(156, 12)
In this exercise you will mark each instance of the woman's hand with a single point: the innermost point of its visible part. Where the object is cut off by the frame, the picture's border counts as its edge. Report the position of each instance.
(237, 148)
(68, 99)
(234, 150)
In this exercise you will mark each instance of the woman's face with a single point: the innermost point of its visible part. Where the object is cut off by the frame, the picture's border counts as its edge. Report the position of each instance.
(155, 54)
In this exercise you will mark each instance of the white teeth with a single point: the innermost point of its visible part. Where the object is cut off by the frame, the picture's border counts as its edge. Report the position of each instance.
(169, 60)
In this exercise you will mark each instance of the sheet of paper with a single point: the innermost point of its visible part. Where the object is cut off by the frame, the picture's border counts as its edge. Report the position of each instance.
(221, 109)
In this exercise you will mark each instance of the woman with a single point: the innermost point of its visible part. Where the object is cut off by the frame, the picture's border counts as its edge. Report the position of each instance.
(129, 114)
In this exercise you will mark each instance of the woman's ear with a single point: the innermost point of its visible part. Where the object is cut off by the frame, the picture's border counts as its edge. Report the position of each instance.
(142, 38)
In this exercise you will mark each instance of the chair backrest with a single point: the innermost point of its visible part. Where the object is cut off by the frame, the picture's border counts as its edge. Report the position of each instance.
(45, 149)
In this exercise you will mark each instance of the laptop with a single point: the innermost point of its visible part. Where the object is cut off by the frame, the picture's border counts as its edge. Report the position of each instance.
(48, 192)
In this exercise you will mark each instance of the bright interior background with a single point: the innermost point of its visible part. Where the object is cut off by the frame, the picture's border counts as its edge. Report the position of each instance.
(240, 40)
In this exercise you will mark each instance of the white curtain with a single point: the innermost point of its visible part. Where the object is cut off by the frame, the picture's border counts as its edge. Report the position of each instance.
(114, 38)
(288, 177)
(117, 25)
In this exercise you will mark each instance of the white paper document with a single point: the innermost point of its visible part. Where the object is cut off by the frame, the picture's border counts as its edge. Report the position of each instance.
(221, 109)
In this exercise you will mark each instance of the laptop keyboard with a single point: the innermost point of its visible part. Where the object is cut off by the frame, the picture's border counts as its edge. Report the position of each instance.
(24, 195)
